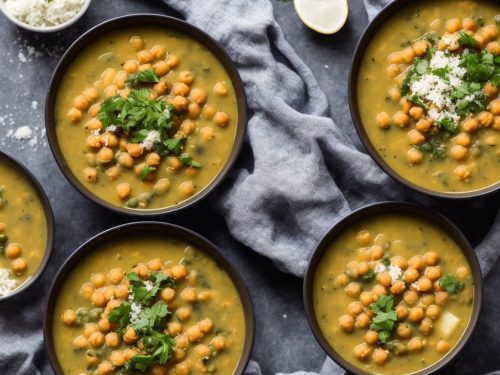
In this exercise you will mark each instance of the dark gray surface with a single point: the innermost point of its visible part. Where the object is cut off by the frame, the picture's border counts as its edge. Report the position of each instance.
(283, 341)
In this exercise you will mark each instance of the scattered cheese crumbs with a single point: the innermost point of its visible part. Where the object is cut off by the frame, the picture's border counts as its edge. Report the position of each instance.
(23, 132)
(148, 285)
(135, 312)
(380, 268)
(34, 104)
(152, 138)
(7, 284)
(21, 57)
(395, 272)
(111, 128)
(43, 13)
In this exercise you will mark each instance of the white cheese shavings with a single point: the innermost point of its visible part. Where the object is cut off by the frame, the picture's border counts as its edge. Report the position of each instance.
(111, 128)
(148, 285)
(7, 284)
(150, 140)
(23, 132)
(43, 13)
(380, 268)
(135, 311)
(395, 272)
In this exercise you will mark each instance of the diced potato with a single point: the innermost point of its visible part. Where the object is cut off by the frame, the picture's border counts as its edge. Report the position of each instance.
(447, 323)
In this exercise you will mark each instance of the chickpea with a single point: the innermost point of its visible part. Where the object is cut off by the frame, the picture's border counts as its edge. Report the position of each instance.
(80, 342)
(377, 252)
(416, 113)
(207, 133)
(183, 313)
(380, 356)
(362, 351)
(363, 238)
(401, 311)
(410, 297)
(400, 262)
(346, 323)
(416, 344)
(117, 358)
(98, 279)
(123, 190)
(470, 125)
(431, 258)
(425, 284)
(398, 287)
(462, 172)
(188, 295)
(433, 273)
(383, 120)
(427, 299)
(81, 102)
(105, 368)
(394, 95)
(137, 43)
(13, 251)
(206, 325)
(108, 76)
(404, 330)
(179, 271)
(188, 127)
(182, 368)
(115, 275)
(91, 94)
(96, 339)
(69, 317)
(411, 275)
(180, 89)
(194, 110)
(423, 125)
(384, 278)
(393, 70)
(74, 115)
(462, 272)
(379, 290)
(371, 337)
(175, 328)
(198, 95)
(18, 265)
(494, 107)
(104, 326)
(144, 57)
(415, 314)
(453, 25)
(194, 334)
(94, 110)
(105, 155)
(221, 118)
(186, 77)
(355, 308)
(401, 119)
(3, 226)
(417, 262)
(131, 66)
(144, 67)
(415, 137)
(443, 346)
(396, 58)
(441, 298)
(426, 326)
(134, 149)
(93, 124)
(94, 141)
(362, 320)
(89, 329)
(172, 61)
(353, 290)
(112, 340)
(180, 103)
(186, 188)
(161, 186)
(125, 160)
(142, 270)
(469, 24)
(130, 336)
(415, 156)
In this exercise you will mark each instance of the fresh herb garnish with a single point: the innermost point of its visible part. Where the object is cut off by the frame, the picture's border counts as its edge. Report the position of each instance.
(447, 124)
(145, 171)
(385, 317)
(3, 242)
(186, 159)
(369, 276)
(434, 147)
(146, 76)
(121, 316)
(451, 284)
(415, 99)
(466, 40)
(386, 259)
(143, 294)
(159, 348)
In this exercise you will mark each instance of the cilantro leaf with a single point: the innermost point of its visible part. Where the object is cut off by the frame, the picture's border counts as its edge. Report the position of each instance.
(121, 316)
(386, 260)
(158, 347)
(434, 147)
(369, 276)
(174, 145)
(385, 317)
(466, 40)
(415, 99)
(145, 171)
(186, 159)
(447, 124)
(3, 242)
(143, 294)
(451, 284)
(149, 318)
(146, 76)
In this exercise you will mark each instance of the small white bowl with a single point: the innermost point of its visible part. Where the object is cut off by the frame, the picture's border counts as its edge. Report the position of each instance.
(49, 29)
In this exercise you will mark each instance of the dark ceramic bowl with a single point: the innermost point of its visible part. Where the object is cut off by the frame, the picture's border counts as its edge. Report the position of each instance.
(396, 208)
(142, 229)
(372, 29)
(162, 22)
(49, 216)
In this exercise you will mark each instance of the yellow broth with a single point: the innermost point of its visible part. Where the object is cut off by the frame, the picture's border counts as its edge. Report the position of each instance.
(23, 222)
(217, 299)
(111, 51)
(398, 235)
(373, 90)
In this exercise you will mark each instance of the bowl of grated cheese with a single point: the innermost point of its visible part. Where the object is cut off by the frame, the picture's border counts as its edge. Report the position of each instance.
(44, 16)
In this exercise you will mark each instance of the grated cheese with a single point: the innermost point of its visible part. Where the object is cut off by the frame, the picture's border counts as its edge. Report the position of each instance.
(395, 272)
(23, 132)
(42, 13)
(7, 284)
(152, 138)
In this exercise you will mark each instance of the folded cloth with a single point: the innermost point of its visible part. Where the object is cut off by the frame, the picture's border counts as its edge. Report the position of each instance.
(300, 173)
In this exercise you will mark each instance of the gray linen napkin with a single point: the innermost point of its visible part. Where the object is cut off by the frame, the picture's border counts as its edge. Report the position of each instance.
(305, 175)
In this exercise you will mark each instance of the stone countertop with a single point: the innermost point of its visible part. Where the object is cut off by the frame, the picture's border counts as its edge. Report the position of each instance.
(283, 340)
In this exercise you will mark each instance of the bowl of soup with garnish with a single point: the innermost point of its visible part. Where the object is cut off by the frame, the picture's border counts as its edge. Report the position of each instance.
(424, 95)
(393, 288)
(145, 114)
(26, 228)
(148, 298)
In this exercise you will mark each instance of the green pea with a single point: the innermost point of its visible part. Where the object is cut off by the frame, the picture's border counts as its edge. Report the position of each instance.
(132, 203)
(95, 314)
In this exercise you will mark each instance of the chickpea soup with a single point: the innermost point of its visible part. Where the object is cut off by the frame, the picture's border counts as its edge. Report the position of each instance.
(172, 311)
(393, 294)
(146, 118)
(428, 90)
(23, 229)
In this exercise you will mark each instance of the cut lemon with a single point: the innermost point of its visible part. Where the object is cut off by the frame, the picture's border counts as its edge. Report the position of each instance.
(323, 16)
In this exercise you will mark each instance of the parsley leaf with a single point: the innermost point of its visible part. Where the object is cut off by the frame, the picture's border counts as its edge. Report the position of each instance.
(385, 317)
(415, 99)
(369, 276)
(121, 316)
(159, 348)
(451, 284)
(146, 76)
(174, 145)
(143, 294)
(153, 317)
(447, 124)
(145, 171)
(466, 40)
(186, 159)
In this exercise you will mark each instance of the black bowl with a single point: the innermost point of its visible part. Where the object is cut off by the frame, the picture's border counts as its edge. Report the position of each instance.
(395, 208)
(359, 53)
(162, 22)
(49, 216)
(141, 229)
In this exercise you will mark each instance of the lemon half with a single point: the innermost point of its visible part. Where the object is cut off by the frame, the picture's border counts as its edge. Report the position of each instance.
(323, 16)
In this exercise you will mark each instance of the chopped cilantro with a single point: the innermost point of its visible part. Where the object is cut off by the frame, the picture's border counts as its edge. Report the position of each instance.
(140, 292)
(121, 316)
(146, 76)
(415, 99)
(3, 242)
(434, 147)
(386, 260)
(186, 159)
(385, 317)
(369, 276)
(447, 124)
(451, 284)
(145, 171)
(466, 40)
(158, 347)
